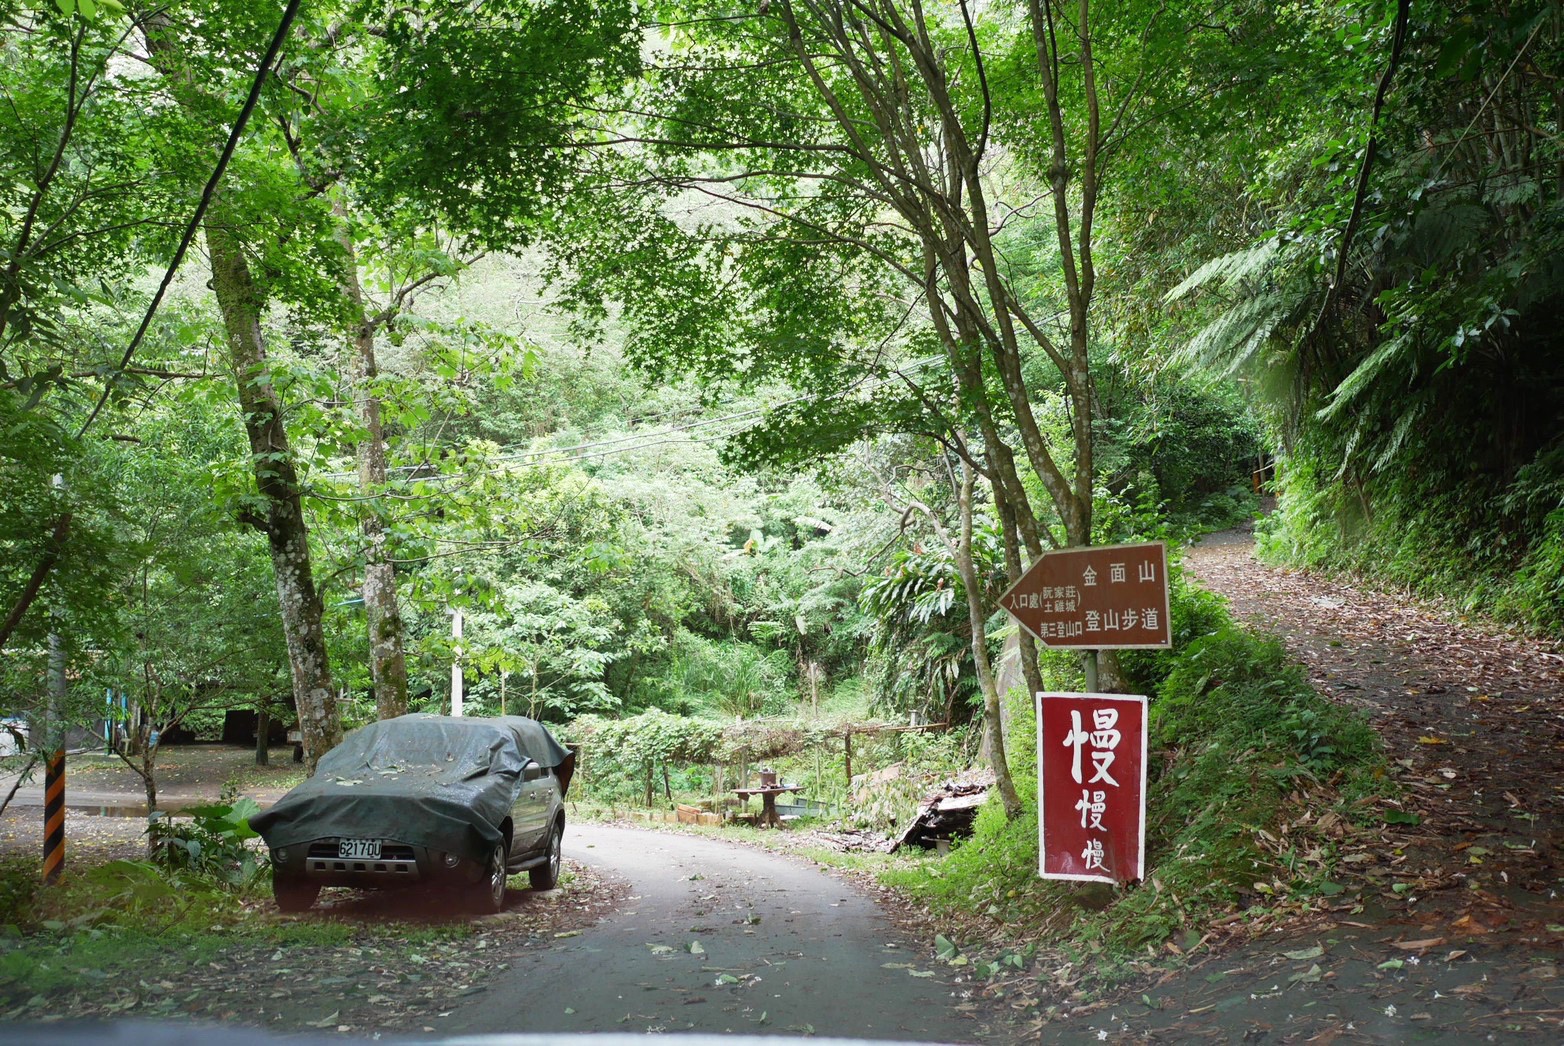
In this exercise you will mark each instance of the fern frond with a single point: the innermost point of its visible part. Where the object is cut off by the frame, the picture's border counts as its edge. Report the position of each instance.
(1364, 376)
(1231, 340)
(1230, 269)
(1404, 427)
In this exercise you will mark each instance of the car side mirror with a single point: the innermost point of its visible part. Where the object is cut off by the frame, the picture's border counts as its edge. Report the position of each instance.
(532, 771)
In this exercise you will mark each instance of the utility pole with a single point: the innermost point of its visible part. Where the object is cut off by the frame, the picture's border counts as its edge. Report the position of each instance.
(54, 737)
(456, 664)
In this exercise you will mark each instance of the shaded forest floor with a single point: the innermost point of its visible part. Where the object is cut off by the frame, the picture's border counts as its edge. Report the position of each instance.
(1451, 920)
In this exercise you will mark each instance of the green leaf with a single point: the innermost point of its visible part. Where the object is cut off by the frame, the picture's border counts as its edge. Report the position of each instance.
(1312, 975)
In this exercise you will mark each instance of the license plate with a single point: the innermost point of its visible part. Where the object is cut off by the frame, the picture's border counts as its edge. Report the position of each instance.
(359, 849)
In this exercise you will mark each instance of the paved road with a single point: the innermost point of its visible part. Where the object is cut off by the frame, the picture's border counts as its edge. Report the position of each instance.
(782, 948)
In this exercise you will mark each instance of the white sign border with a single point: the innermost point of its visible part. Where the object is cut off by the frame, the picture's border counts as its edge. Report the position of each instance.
(1145, 731)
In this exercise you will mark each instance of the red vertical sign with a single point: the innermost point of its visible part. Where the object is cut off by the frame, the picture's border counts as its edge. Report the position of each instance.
(1091, 764)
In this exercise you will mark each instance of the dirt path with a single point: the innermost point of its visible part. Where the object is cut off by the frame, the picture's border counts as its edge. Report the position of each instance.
(105, 801)
(1451, 924)
(1473, 720)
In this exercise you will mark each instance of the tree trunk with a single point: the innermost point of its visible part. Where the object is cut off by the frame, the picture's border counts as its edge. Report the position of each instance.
(263, 728)
(993, 729)
(282, 520)
(277, 481)
(149, 767)
(387, 660)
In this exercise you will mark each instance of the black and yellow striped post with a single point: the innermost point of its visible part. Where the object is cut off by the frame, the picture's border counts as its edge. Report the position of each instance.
(54, 816)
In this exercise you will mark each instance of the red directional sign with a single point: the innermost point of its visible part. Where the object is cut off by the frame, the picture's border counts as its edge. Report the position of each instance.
(1095, 598)
(1091, 765)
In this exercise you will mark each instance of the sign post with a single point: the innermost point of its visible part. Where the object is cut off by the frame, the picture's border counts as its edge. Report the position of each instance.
(1091, 796)
(1091, 747)
(456, 664)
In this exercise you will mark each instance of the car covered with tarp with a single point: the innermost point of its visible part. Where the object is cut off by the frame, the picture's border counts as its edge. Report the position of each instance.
(424, 801)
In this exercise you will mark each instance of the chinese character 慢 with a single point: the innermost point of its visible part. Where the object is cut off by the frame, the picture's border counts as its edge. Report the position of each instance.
(1103, 722)
(1093, 855)
(1116, 572)
(1076, 739)
(1092, 806)
(1104, 739)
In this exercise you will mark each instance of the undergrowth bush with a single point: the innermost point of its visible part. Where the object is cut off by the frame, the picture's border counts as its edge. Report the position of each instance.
(211, 841)
(1499, 553)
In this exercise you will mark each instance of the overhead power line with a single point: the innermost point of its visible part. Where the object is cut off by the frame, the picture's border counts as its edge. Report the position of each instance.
(256, 83)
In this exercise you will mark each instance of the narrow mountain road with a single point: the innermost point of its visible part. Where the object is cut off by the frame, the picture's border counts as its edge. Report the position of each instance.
(717, 938)
(1449, 921)
(1472, 718)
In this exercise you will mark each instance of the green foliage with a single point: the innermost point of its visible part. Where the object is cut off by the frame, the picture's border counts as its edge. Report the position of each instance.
(622, 754)
(1432, 533)
(1183, 449)
(211, 844)
(920, 654)
(1412, 376)
(1195, 614)
(490, 97)
(20, 886)
(731, 678)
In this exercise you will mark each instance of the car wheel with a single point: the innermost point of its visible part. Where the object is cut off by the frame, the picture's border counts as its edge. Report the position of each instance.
(546, 875)
(488, 896)
(293, 895)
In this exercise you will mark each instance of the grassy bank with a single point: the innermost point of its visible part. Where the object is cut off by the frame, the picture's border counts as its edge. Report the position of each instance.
(1251, 777)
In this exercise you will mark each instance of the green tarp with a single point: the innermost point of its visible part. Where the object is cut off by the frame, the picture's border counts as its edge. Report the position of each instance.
(435, 781)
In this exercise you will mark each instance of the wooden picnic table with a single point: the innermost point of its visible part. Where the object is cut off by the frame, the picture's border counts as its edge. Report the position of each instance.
(768, 801)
